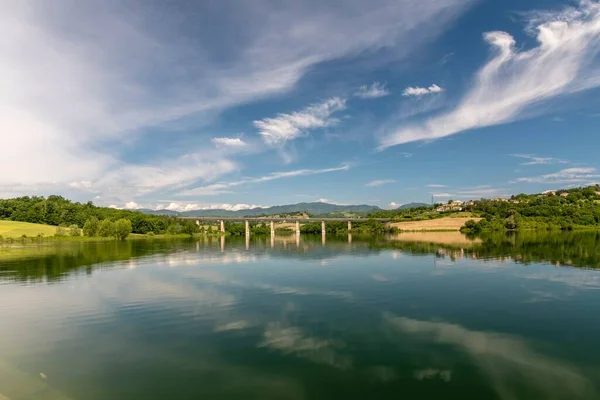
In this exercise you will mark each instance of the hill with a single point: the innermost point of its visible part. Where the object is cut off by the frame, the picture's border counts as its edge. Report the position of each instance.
(315, 208)
(412, 205)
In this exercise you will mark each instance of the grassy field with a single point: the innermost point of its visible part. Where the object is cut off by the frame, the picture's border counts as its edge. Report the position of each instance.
(439, 224)
(14, 229)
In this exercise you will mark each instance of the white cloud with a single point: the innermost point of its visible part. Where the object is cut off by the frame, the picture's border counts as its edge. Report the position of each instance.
(514, 80)
(374, 91)
(393, 204)
(584, 175)
(230, 142)
(224, 187)
(285, 127)
(182, 207)
(168, 175)
(132, 205)
(434, 185)
(72, 99)
(421, 91)
(534, 160)
(379, 182)
(441, 194)
(81, 185)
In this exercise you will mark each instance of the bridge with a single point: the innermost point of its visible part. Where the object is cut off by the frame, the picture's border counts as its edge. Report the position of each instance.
(271, 220)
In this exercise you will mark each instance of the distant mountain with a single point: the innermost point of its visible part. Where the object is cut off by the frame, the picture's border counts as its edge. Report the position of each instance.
(412, 205)
(311, 208)
(158, 212)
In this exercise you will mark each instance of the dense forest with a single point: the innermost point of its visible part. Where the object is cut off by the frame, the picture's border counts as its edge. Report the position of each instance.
(570, 209)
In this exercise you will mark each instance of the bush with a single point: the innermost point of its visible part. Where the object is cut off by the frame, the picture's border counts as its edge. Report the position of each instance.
(122, 229)
(90, 228)
(74, 230)
(106, 228)
(61, 231)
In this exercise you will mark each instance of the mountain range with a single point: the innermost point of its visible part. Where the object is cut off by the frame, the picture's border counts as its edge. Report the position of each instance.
(316, 208)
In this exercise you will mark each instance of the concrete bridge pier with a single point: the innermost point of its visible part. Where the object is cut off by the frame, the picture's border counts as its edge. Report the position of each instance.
(273, 241)
(298, 241)
(247, 228)
(349, 226)
(222, 226)
(349, 238)
(323, 229)
(272, 228)
(297, 228)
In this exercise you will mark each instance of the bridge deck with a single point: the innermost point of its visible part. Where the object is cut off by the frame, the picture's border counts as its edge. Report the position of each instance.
(274, 219)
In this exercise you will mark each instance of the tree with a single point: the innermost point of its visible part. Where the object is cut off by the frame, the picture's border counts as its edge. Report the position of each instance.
(122, 229)
(189, 227)
(90, 228)
(106, 228)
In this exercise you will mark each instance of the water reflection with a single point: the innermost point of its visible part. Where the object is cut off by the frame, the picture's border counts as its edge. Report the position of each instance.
(515, 370)
(52, 260)
(289, 317)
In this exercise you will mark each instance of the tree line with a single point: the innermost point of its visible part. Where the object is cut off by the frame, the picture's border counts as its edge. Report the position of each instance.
(570, 209)
(58, 211)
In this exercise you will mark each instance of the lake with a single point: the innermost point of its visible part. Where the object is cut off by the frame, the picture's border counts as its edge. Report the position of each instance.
(410, 316)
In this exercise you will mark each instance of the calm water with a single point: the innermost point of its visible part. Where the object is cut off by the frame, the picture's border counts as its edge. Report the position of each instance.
(436, 316)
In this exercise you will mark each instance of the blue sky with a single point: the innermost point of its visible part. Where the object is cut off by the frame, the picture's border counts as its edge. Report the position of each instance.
(231, 104)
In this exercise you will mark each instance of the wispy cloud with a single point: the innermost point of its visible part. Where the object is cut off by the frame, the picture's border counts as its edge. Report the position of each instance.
(71, 99)
(535, 160)
(564, 62)
(585, 175)
(421, 91)
(229, 142)
(374, 91)
(276, 131)
(225, 187)
(380, 182)
(434, 185)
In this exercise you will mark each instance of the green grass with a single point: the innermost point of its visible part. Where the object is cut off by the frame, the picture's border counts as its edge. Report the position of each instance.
(14, 229)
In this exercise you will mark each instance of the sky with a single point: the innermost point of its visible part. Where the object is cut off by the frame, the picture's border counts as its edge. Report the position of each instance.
(232, 104)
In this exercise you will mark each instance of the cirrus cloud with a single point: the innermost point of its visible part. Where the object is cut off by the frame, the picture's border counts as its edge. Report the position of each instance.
(373, 91)
(564, 62)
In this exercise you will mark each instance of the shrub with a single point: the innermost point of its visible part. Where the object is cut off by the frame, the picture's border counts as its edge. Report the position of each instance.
(74, 230)
(61, 231)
